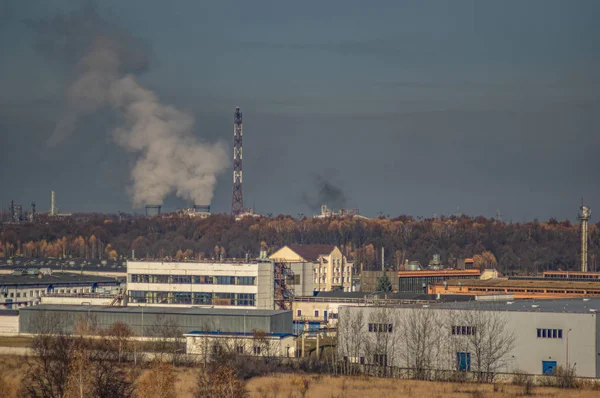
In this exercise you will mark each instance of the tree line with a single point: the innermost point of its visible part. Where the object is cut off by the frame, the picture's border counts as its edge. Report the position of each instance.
(528, 247)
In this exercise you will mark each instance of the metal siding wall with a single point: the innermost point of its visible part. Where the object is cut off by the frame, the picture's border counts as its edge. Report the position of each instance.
(279, 323)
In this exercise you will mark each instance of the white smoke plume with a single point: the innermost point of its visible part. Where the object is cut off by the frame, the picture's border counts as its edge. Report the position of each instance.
(169, 157)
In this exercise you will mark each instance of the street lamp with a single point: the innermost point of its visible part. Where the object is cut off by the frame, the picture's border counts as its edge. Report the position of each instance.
(568, 349)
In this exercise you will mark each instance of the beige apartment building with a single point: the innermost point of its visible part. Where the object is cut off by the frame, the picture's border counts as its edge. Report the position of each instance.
(330, 268)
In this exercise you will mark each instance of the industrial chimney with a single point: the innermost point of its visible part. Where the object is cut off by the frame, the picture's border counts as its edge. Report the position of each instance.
(584, 216)
(52, 204)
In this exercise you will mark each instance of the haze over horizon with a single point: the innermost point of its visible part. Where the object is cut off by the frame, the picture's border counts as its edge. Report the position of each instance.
(409, 107)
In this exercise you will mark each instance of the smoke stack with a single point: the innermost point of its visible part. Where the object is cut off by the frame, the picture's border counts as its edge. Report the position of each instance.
(52, 204)
(584, 216)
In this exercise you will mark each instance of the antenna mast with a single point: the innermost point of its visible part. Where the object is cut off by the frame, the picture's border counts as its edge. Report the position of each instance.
(237, 201)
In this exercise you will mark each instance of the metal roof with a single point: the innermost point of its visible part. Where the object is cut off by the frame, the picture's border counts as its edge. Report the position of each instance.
(229, 334)
(311, 252)
(393, 296)
(578, 306)
(520, 283)
(55, 278)
(156, 310)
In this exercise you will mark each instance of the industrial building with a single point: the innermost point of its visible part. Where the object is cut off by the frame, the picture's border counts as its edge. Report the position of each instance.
(202, 283)
(329, 267)
(416, 281)
(142, 320)
(539, 288)
(530, 336)
(27, 288)
(321, 311)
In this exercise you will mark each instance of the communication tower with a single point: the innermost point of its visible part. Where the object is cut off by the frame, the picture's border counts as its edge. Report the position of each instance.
(237, 201)
(584, 215)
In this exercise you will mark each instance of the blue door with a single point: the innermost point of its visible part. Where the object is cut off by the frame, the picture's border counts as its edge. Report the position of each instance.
(548, 367)
(463, 361)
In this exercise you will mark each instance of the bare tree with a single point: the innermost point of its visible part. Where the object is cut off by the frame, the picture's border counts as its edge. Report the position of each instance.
(488, 339)
(421, 340)
(350, 340)
(167, 337)
(118, 337)
(48, 372)
(381, 341)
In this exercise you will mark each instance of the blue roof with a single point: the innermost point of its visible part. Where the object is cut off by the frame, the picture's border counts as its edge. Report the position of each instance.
(250, 334)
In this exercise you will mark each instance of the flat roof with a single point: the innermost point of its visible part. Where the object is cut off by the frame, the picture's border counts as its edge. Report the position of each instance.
(65, 264)
(439, 272)
(578, 305)
(229, 334)
(520, 283)
(156, 310)
(56, 277)
(389, 296)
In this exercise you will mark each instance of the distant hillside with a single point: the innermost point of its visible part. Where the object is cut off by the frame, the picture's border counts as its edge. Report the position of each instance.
(528, 247)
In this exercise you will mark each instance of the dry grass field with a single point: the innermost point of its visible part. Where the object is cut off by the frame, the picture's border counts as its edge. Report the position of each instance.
(317, 386)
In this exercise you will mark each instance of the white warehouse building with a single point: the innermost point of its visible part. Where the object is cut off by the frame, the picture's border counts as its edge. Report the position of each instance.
(201, 283)
(527, 336)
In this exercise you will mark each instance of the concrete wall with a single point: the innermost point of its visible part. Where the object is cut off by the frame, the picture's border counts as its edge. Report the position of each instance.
(265, 289)
(273, 346)
(9, 323)
(528, 352)
(305, 271)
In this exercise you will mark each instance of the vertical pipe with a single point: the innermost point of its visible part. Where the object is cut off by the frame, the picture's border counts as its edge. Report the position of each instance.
(382, 259)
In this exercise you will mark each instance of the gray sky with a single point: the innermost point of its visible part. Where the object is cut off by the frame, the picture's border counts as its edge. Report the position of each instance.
(408, 107)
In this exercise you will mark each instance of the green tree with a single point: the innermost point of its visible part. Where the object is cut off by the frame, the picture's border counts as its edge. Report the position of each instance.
(383, 283)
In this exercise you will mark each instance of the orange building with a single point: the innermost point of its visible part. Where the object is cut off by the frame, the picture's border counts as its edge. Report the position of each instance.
(531, 289)
(571, 275)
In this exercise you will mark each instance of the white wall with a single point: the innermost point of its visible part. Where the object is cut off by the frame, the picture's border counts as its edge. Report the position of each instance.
(529, 351)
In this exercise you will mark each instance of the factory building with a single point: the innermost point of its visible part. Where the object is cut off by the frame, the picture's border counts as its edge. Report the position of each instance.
(321, 311)
(528, 336)
(209, 284)
(142, 320)
(329, 267)
(416, 281)
(539, 288)
(29, 287)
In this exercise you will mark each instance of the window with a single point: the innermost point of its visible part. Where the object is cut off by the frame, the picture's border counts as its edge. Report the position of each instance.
(380, 327)
(256, 350)
(333, 315)
(361, 360)
(297, 279)
(239, 350)
(316, 313)
(549, 333)
(224, 280)
(299, 313)
(463, 330)
(463, 361)
(245, 280)
(380, 359)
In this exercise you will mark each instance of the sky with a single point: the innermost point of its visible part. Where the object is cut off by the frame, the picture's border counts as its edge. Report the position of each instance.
(393, 107)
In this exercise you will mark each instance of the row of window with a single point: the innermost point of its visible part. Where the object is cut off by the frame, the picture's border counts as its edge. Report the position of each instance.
(332, 315)
(38, 293)
(380, 327)
(193, 279)
(235, 299)
(550, 333)
(463, 330)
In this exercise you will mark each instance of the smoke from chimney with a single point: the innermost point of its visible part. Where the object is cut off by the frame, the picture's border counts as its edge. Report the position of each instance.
(104, 58)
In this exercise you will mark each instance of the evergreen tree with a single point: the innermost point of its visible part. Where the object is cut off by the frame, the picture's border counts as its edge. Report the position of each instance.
(384, 284)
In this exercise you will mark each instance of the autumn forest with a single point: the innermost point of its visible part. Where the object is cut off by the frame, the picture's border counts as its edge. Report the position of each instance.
(511, 247)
